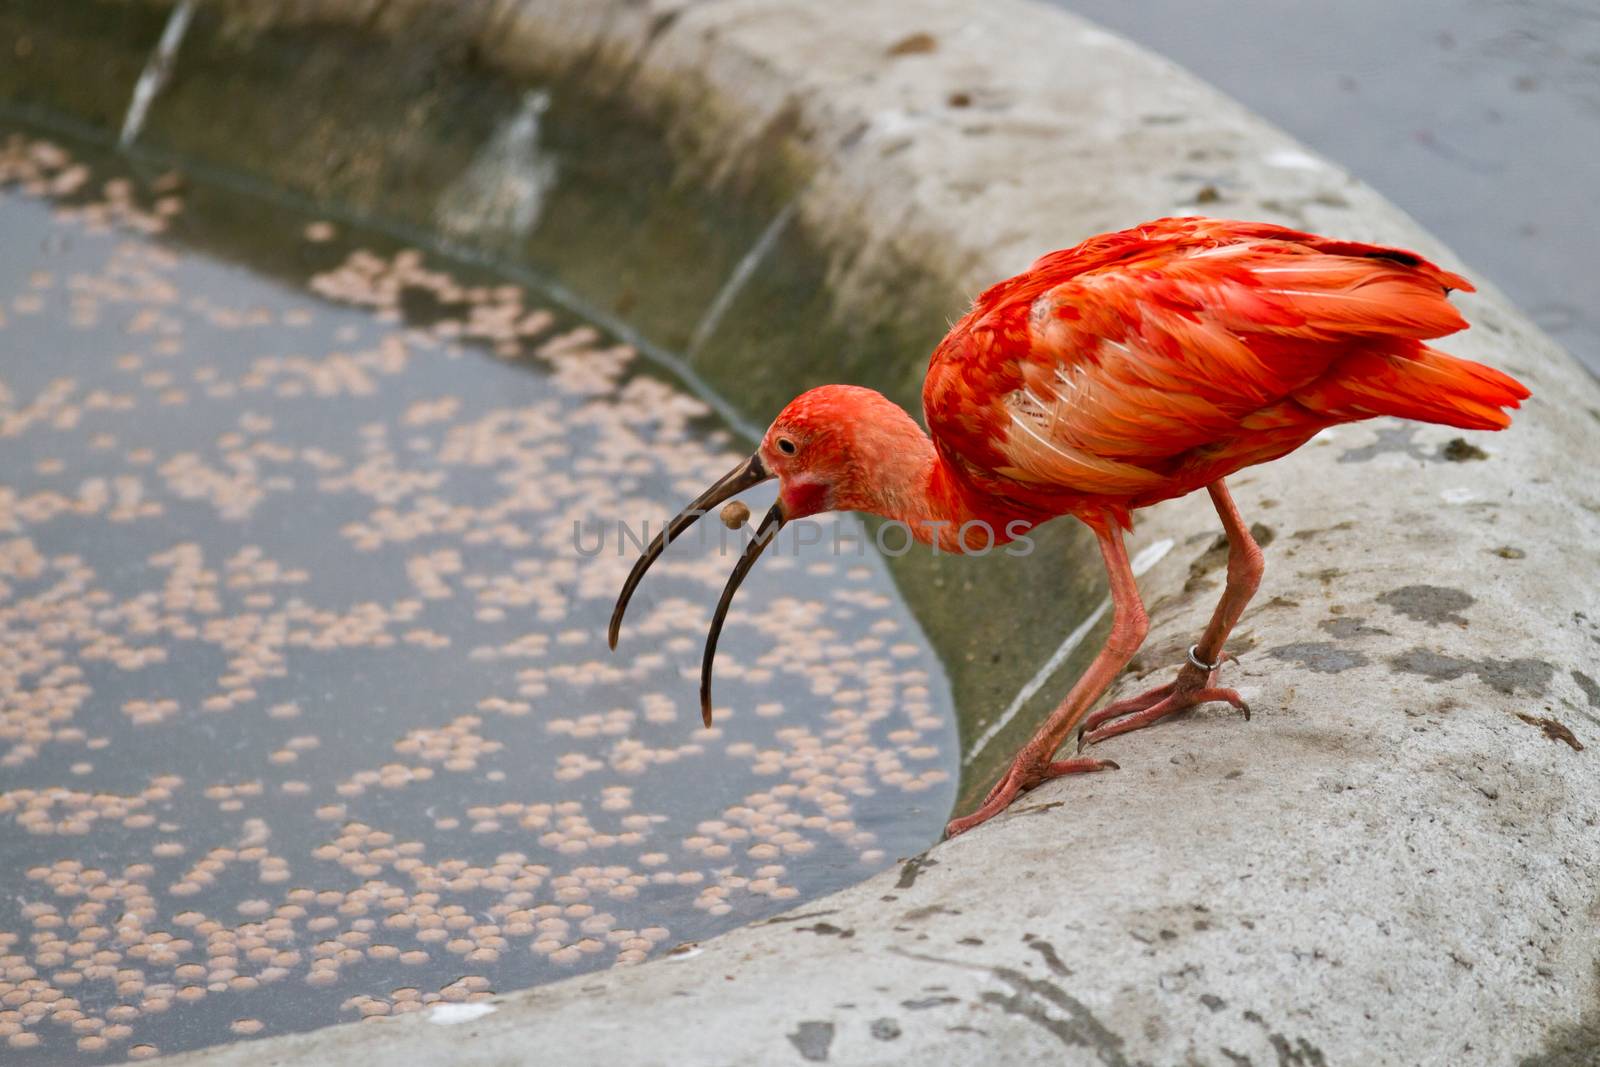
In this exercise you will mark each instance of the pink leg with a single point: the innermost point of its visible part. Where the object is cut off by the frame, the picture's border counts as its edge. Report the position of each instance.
(1034, 764)
(1194, 685)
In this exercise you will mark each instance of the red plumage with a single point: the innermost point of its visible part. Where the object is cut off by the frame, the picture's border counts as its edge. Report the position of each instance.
(1133, 368)
(1141, 365)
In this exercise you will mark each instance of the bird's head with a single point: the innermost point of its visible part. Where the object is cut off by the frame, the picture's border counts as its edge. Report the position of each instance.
(834, 448)
(831, 449)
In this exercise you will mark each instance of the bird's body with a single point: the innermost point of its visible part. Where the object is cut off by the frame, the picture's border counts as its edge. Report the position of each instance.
(1136, 367)
(1142, 365)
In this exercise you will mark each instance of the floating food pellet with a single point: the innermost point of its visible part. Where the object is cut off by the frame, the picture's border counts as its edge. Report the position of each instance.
(734, 514)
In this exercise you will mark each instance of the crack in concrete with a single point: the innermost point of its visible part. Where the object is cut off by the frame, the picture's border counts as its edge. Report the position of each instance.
(1346, 628)
(780, 920)
(1081, 1028)
(1047, 952)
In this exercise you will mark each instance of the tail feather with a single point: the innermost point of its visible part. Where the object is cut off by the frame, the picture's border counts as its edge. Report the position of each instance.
(1415, 382)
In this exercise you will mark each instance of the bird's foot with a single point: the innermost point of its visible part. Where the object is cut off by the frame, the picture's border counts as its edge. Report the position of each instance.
(1191, 687)
(1025, 773)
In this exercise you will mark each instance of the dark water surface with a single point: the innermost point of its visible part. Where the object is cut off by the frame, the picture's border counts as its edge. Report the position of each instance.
(306, 713)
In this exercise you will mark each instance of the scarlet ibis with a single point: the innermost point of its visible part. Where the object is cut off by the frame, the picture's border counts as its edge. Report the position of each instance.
(1136, 367)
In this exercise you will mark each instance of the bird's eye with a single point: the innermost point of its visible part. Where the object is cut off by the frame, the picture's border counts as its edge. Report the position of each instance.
(786, 446)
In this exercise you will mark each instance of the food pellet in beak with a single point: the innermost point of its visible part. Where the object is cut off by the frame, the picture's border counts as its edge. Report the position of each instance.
(734, 514)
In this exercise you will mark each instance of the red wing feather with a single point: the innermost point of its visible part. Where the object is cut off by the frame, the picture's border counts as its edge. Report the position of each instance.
(1134, 360)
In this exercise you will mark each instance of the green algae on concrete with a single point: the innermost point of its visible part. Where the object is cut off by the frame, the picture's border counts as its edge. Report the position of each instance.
(616, 225)
(79, 58)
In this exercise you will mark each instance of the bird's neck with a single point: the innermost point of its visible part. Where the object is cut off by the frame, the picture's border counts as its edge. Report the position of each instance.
(913, 484)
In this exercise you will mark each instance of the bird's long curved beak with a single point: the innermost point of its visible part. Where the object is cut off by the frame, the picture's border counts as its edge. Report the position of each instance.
(766, 533)
(749, 473)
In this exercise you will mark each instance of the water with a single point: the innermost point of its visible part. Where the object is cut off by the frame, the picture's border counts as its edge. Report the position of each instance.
(306, 713)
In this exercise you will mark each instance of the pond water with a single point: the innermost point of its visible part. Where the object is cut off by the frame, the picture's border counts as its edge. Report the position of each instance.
(306, 712)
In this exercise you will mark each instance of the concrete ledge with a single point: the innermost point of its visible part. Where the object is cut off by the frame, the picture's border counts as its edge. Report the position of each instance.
(1394, 863)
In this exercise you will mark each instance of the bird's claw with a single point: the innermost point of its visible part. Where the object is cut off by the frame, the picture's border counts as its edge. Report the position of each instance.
(1022, 776)
(1140, 711)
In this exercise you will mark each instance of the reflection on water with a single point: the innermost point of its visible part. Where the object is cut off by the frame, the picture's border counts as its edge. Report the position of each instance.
(497, 201)
(305, 707)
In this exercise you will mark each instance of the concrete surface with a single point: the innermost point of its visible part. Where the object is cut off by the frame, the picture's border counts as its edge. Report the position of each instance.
(1391, 864)
(1479, 117)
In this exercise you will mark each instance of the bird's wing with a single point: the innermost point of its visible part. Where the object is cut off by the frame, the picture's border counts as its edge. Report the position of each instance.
(1093, 370)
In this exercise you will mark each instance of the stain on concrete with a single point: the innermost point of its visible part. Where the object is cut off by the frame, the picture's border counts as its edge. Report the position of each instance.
(1301, 1053)
(1324, 657)
(1554, 730)
(914, 867)
(659, 25)
(885, 1029)
(915, 45)
(924, 1003)
(1590, 687)
(1394, 438)
(1048, 953)
(780, 920)
(826, 930)
(1502, 675)
(812, 1039)
(1344, 629)
(1576, 1044)
(1432, 604)
(1460, 450)
(1040, 809)
(1324, 574)
(1317, 531)
(1298, 1053)
(1294, 210)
